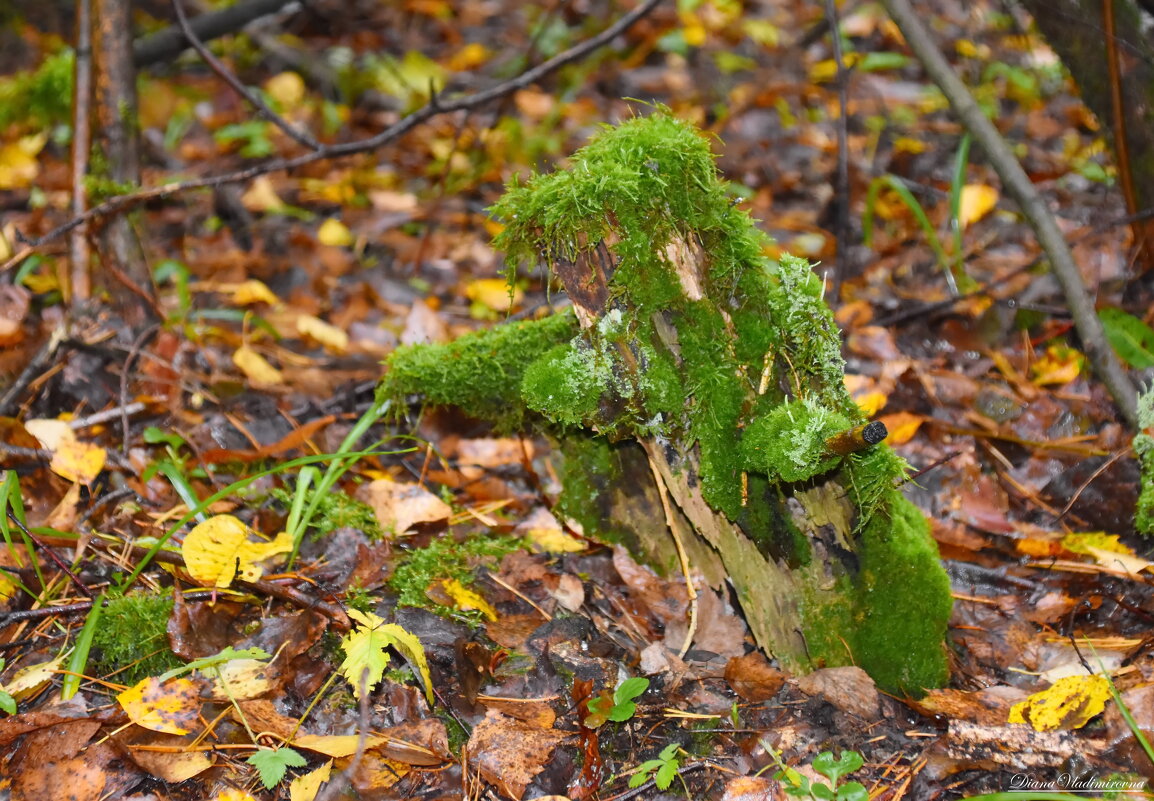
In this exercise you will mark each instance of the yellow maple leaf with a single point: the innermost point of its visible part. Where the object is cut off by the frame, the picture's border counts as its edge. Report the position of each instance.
(977, 201)
(218, 550)
(171, 707)
(1068, 703)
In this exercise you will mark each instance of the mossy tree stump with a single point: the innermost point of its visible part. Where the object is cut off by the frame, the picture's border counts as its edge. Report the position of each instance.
(724, 369)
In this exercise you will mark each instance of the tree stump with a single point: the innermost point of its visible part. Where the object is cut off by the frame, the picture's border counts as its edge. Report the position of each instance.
(702, 384)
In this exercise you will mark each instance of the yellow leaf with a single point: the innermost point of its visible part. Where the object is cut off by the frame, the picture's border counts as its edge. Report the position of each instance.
(901, 426)
(907, 144)
(1069, 703)
(30, 680)
(18, 166)
(259, 372)
(871, 402)
(305, 788)
(335, 233)
(977, 201)
(1088, 541)
(546, 534)
(692, 28)
(218, 549)
(365, 646)
(465, 599)
(7, 586)
(334, 745)
(261, 196)
(71, 459)
(287, 89)
(469, 57)
(331, 337)
(232, 794)
(246, 293)
(1120, 561)
(1059, 365)
(493, 293)
(171, 707)
(239, 680)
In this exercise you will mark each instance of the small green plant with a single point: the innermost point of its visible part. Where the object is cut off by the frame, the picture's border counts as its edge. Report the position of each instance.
(132, 637)
(833, 768)
(253, 137)
(336, 509)
(618, 707)
(661, 770)
(7, 702)
(446, 558)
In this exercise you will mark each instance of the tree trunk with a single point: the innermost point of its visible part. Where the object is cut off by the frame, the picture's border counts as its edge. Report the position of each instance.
(125, 271)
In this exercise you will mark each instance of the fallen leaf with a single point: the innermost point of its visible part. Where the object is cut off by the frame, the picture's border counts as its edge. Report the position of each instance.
(252, 291)
(71, 459)
(493, 294)
(239, 680)
(287, 89)
(305, 788)
(261, 196)
(901, 426)
(976, 202)
(332, 338)
(399, 507)
(1068, 703)
(508, 753)
(365, 646)
(256, 368)
(753, 678)
(18, 164)
(452, 593)
(334, 745)
(335, 233)
(169, 707)
(848, 688)
(546, 534)
(1060, 364)
(30, 680)
(218, 550)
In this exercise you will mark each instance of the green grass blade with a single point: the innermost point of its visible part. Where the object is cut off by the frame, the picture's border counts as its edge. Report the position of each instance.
(78, 661)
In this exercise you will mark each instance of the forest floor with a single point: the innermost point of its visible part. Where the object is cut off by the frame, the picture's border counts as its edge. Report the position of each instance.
(281, 296)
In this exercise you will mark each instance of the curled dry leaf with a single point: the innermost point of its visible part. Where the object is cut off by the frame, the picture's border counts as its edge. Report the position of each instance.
(753, 678)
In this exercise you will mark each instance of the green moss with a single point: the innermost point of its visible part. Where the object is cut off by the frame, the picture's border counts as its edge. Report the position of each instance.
(133, 635)
(39, 98)
(788, 444)
(338, 510)
(588, 472)
(480, 372)
(446, 558)
(566, 383)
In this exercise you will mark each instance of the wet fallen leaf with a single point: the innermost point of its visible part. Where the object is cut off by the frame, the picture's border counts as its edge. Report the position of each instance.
(219, 549)
(1060, 364)
(261, 196)
(753, 678)
(287, 89)
(170, 707)
(305, 788)
(30, 680)
(452, 593)
(250, 292)
(365, 646)
(71, 458)
(1069, 703)
(508, 753)
(901, 426)
(493, 294)
(545, 533)
(331, 337)
(18, 164)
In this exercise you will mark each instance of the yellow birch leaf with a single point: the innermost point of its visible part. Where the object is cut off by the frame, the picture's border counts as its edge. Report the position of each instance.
(493, 293)
(977, 201)
(331, 337)
(1069, 703)
(30, 680)
(71, 459)
(465, 599)
(218, 549)
(306, 787)
(256, 368)
(232, 794)
(238, 680)
(871, 402)
(335, 233)
(171, 707)
(246, 293)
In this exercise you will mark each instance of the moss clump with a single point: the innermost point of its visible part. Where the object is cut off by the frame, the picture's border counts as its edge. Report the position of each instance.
(132, 638)
(480, 372)
(566, 383)
(788, 443)
(445, 558)
(39, 98)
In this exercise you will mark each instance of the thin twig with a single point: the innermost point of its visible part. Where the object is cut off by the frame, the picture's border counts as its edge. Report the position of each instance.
(43, 357)
(1018, 185)
(80, 275)
(435, 107)
(51, 554)
(300, 137)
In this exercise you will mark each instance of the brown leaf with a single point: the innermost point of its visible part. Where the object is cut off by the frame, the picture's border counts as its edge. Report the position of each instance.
(848, 688)
(509, 753)
(753, 788)
(753, 678)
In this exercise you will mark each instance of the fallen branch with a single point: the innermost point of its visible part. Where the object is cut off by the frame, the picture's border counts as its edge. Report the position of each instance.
(435, 107)
(1018, 185)
(167, 44)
